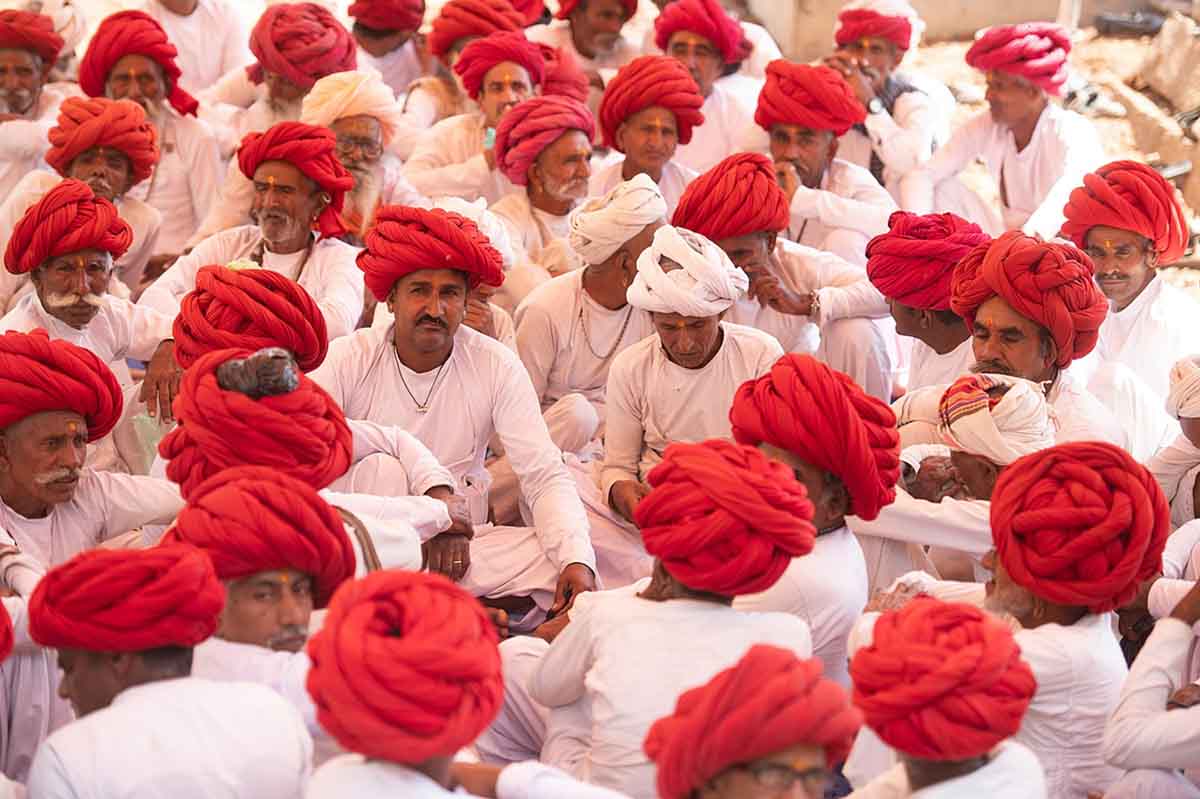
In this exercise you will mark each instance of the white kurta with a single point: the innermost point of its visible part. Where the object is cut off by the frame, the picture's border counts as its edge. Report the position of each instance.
(675, 179)
(1154, 331)
(728, 120)
(902, 139)
(427, 102)
(1082, 417)
(214, 22)
(557, 33)
(120, 330)
(539, 243)
(399, 68)
(23, 142)
(844, 214)
(448, 161)
(1011, 772)
(931, 369)
(355, 777)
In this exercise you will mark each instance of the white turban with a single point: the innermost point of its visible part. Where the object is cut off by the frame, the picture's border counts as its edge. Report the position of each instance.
(892, 8)
(707, 284)
(488, 223)
(1183, 400)
(352, 94)
(68, 18)
(1000, 429)
(601, 226)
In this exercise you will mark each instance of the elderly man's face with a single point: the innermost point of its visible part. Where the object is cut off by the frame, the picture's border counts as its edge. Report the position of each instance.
(270, 609)
(41, 459)
(138, 78)
(596, 26)
(107, 170)
(1125, 263)
(71, 287)
(22, 75)
(880, 56)
(1011, 98)
(977, 474)
(285, 205)
(562, 170)
(649, 138)
(798, 772)
(810, 151)
(504, 86)
(699, 55)
(1007, 343)
(429, 305)
(359, 143)
(690, 341)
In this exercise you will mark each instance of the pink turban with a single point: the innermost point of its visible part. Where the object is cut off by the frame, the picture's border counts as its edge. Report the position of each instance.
(303, 42)
(1035, 51)
(532, 126)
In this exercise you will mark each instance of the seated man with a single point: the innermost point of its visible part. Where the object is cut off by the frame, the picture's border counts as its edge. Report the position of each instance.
(29, 48)
(764, 48)
(384, 31)
(1177, 465)
(591, 31)
(649, 109)
(196, 27)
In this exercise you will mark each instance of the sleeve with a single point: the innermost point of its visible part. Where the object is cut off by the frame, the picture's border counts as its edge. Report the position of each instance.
(949, 160)
(147, 328)
(560, 679)
(1082, 153)
(432, 172)
(234, 88)
(133, 501)
(427, 516)
(422, 466)
(233, 210)
(340, 295)
(419, 115)
(1165, 594)
(536, 345)
(963, 525)
(18, 610)
(844, 291)
(49, 777)
(506, 332)
(903, 141)
(1178, 551)
(165, 293)
(624, 435)
(331, 377)
(402, 192)
(204, 169)
(534, 780)
(133, 266)
(866, 210)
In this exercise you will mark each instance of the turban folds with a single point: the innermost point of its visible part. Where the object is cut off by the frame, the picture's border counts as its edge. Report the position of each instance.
(460, 19)
(406, 240)
(84, 124)
(563, 76)
(769, 701)
(405, 668)
(942, 680)
(251, 519)
(705, 18)
(67, 219)
(737, 197)
(25, 30)
(127, 600)
(724, 518)
(601, 226)
(822, 417)
(1035, 51)
(1080, 524)
(894, 20)
(303, 42)
(310, 149)
(494, 230)
(567, 7)
(352, 94)
(913, 262)
(482, 55)
(817, 98)
(978, 419)
(132, 33)
(533, 125)
(707, 283)
(1129, 196)
(1046, 282)
(651, 81)
(389, 15)
(1183, 398)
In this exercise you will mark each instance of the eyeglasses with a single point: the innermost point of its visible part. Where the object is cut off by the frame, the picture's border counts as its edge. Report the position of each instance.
(368, 147)
(779, 778)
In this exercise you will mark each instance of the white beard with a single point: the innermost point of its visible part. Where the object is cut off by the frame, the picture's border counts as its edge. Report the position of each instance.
(364, 197)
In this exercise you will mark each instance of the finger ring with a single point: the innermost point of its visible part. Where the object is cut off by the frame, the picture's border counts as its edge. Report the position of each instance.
(458, 563)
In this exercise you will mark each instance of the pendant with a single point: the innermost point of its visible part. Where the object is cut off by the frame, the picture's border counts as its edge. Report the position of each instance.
(422, 409)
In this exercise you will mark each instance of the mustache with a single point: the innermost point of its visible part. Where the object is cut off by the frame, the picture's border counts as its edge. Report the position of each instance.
(1113, 276)
(286, 634)
(991, 367)
(432, 320)
(56, 299)
(60, 474)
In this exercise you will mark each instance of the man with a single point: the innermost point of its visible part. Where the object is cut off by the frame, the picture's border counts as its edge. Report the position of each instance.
(797, 294)
(298, 184)
(1035, 151)
(763, 48)
(384, 32)
(1177, 465)
(591, 31)
(126, 663)
(194, 27)
(648, 110)
(29, 48)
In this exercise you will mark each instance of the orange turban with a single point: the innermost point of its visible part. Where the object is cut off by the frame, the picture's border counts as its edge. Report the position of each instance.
(646, 82)
(388, 15)
(460, 19)
(1035, 51)
(67, 219)
(914, 261)
(707, 19)
(100, 122)
(25, 30)
(303, 42)
(530, 127)
(817, 98)
(567, 7)
(482, 55)
(737, 197)
(132, 33)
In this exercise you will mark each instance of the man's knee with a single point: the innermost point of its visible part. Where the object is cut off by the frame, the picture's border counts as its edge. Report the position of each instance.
(573, 422)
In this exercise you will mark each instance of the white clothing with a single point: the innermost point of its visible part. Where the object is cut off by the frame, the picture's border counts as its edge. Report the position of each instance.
(903, 140)
(399, 68)
(844, 214)
(1140, 411)
(1082, 417)
(931, 369)
(448, 161)
(231, 123)
(424, 106)
(539, 242)
(214, 22)
(1012, 772)
(23, 142)
(1175, 468)
(502, 322)
(120, 330)
(1161, 326)
(557, 33)
(728, 116)
(283, 672)
(675, 179)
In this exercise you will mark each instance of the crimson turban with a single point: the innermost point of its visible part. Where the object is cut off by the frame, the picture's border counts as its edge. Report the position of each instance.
(251, 519)
(460, 19)
(303, 42)
(817, 98)
(67, 219)
(855, 24)
(567, 7)
(84, 124)
(249, 309)
(1035, 51)
(1046, 282)
(532, 126)
(737, 197)
(942, 680)
(6, 633)
(388, 15)
(646, 82)
(406, 667)
(127, 600)
(482, 55)
(724, 518)
(1129, 196)
(913, 262)
(769, 701)
(822, 417)
(132, 33)
(1080, 524)
(705, 18)
(563, 76)
(530, 10)
(25, 30)
(406, 240)
(313, 151)
(302, 433)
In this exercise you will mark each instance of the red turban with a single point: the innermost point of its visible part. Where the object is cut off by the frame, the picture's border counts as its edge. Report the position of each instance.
(768, 702)
(6, 633)
(530, 10)
(313, 151)
(406, 667)
(705, 18)
(645, 82)
(482, 55)
(132, 33)
(855, 24)
(302, 433)
(303, 42)
(724, 518)
(737, 197)
(100, 122)
(67, 219)
(25, 30)
(563, 76)
(388, 15)
(913, 262)
(249, 309)
(1046, 282)
(460, 19)
(1129, 196)
(817, 98)
(942, 680)
(567, 7)
(1080, 524)
(825, 419)
(127, 600)
(404, 240)
(1035, 51)
(251, 519)
(532, 126)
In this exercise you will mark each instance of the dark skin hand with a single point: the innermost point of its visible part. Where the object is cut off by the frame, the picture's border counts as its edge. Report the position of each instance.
(156, 266)
(574, 580)
(935, 480)
(499, 618)
(161, 384)
(549, 630)
(449, 552)
(770, 291)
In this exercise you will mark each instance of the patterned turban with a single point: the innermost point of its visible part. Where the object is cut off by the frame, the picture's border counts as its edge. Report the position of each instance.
(1129, 196)
(706, 284)
(563, 76)
(1047, 282)
(406, 240)
(251, 519)
(406, 667)
(25, 30)
(460, 19)
(913, 262)
(822, 417)
(567, 7)
(724, 518)
(737, 197)
(127, 600)
(647, 82)
(768, 702)
(976, 418)
(84, 124)
(530, 127)
(707, 19)
(67, 219)
(942, 680)
(894, 20)
(601, 226)
(482, 55)
(1035, 51)
(388, 15)
(817, 98)
(303, 42)
(313, 151)
(1183, 399)
(132, 33)
(1080, 524)
(352, 94)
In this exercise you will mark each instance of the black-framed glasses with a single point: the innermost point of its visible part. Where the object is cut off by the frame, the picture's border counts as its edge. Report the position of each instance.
(780, 777)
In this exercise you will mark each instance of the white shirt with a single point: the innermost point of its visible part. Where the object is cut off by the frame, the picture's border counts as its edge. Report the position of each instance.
(675, 179)
(1082, 417)
(728, 117)
(931, 369)
(428, 101)
(214, 22)
(903, 139)
(448, 161)
(531, 230)
(179, 739)
(399, 68)
(23, 142)
(355, 777)
(283, 672)
(557, 33)
(1154, 331)
(849, 199)
(1011, 772)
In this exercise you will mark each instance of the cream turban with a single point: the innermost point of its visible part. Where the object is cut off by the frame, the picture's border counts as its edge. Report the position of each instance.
(351, 94)
(1001, 429)
(600, 226)
(706, 285)
(1183, 400)
(69, 20)
(488, 223)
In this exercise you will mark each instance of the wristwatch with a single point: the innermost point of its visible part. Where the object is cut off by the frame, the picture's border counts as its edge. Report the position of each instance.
(875, 106)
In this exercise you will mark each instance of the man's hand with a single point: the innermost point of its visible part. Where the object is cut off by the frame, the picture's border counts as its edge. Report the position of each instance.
(448, 554)
(157, 265)
(460, 512)
(883, 601)
(161, 383)
(489, 155)
(935, 480)
(1186, 696)
(477, 779)
(479, 317)
(574, 580)
(788, 177)
(625, 496)
(857, 73)
(771, 293)
(1188, 609)
(499, 617)
(549, 630)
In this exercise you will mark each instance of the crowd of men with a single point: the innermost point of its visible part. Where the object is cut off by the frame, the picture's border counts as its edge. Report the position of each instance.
(586, 402)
